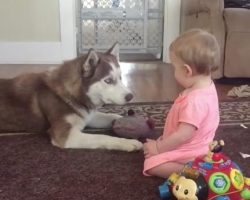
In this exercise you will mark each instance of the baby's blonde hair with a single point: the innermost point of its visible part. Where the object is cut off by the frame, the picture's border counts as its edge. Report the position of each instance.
(198, 49)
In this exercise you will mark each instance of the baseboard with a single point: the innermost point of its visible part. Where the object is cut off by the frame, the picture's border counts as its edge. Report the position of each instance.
(30, 53)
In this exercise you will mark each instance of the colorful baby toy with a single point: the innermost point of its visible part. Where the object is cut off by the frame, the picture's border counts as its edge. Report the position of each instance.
(212, 177)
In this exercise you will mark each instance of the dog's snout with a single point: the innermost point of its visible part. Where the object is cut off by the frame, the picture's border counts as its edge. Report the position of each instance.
(128, 97)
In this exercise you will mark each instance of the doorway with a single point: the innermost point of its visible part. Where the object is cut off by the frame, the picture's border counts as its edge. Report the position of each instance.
(136, 24)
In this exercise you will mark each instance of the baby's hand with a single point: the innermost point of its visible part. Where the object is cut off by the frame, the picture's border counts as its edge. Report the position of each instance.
(150, 148)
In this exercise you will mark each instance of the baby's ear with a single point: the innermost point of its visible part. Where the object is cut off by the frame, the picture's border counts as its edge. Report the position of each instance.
(188, 69)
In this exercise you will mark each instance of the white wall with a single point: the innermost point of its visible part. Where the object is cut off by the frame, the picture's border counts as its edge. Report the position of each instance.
(30, 31)
(29, 20)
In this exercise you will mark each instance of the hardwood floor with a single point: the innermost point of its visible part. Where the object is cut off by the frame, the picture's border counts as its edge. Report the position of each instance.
(154, 81)
(149, 81)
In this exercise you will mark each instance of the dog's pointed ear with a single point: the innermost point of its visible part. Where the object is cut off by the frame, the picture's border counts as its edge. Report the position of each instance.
(115, 50)
(90, 63)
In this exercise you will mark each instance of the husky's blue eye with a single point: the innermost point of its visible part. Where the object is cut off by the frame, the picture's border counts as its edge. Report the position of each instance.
(109, 81)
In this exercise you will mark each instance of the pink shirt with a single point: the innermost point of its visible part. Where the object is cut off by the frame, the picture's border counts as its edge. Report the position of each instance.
(201, 109)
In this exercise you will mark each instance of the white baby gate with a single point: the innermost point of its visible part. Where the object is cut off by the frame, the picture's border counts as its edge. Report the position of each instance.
(136, 24)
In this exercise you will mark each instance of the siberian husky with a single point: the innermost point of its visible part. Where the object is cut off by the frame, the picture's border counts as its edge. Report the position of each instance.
(64, 100)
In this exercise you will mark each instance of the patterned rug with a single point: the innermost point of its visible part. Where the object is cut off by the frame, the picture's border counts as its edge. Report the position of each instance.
(231, 112)
(31, 168)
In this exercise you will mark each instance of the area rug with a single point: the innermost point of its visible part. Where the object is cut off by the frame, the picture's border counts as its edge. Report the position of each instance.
(32, 169)
(231, 112)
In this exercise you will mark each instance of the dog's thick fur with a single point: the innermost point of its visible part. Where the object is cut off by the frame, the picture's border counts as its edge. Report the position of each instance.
(64, 100)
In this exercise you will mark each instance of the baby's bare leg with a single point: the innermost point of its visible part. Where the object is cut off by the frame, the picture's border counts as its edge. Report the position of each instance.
(166, 169)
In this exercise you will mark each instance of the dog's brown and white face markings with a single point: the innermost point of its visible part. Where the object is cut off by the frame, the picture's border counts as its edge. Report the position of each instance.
(107, 86)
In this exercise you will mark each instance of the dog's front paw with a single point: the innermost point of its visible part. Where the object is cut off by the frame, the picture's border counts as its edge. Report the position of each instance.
(115, 116)
(132, 145)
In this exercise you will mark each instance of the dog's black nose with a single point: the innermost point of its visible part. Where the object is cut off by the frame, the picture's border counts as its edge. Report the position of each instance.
(128, 97)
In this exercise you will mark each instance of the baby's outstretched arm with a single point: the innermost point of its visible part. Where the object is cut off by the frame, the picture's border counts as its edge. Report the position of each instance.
(183, 133)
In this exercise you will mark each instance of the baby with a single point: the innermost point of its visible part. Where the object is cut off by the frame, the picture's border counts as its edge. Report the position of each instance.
(194, 117)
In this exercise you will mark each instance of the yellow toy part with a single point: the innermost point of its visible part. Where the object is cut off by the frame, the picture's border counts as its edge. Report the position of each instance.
(185, 189)
(173, 178)
(247, 181)
(237, 179)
